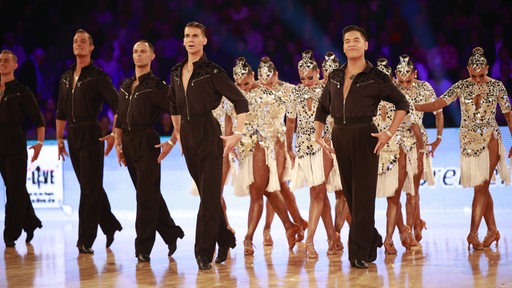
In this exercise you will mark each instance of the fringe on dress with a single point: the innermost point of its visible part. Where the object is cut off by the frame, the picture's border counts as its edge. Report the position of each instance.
(308, 171)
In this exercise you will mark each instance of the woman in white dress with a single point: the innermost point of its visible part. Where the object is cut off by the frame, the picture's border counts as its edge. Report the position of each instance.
(482, 149)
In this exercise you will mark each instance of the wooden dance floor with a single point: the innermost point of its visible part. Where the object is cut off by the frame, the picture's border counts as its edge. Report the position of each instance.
(52, 260)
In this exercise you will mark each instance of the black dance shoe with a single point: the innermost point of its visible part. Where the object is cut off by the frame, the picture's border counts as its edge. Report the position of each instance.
(203, 264)
(377, 243)
(143, 257)
(30, 233)
(175, 233)
(359, 264)
(85, 250)
(110, 237)
(222, 253)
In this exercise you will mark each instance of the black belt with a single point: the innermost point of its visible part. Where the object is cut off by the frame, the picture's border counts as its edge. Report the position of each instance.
(135, 129)
(83, 123)
(353, 120)
(192, 117)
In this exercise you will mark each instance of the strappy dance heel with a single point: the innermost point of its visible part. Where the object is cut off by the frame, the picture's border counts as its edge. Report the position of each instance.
(473, 240)
(310, 251)
(418, 230)
(248, 248)
(267, 238)
(389, 247)
(492, 235)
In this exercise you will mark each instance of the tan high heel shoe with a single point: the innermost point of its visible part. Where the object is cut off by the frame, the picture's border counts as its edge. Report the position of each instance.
(492, 235)
(302, 227)
(310, 251)
(389, 247)
(248, 248)
(407, 238)
(332, 247)
(473, 240)
(418, 230)
(267, 238)
(338, 245)
(291, 235)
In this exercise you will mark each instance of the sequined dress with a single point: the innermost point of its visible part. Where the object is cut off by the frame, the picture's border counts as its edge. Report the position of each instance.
(309, 163)
(478, 125)
(260, 127)
(418, 93)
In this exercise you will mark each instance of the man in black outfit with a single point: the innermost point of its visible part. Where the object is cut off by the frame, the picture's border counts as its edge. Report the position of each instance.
(351, 96)
(196, 88)
(16, 103)
(142, 99)
(82, 90)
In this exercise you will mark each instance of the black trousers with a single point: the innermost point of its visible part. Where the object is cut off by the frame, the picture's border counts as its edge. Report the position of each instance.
(86, 153)
(358, 168)
(19, 212)
(203, 147)
(152, 212)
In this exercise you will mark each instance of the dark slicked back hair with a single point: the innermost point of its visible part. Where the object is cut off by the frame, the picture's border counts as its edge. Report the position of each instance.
(149, 44)
(88, 35)
(351, 28)
(199, 26)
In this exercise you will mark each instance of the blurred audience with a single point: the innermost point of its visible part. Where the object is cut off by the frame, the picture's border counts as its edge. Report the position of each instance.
(435, 34)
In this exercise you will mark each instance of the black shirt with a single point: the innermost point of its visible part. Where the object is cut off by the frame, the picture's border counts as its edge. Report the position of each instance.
(368, 88)
(85, 102)
(17, 103)
(207, 84)
(144, 106)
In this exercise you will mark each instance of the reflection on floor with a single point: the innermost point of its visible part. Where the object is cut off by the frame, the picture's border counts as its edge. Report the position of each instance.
(444, 261)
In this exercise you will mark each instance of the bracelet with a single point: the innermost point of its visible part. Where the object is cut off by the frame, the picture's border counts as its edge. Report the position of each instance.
(439, 136)
(170, 143)
(113, 134)
(389, 134)
(238, 133)
(40, 142)
(423, 150)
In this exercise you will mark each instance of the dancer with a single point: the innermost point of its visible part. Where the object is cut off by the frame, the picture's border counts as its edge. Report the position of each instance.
(196, 88)
(311, 164)
(19, 212)
(418, 91)
(142, 99)
(268, 77)
(481, 145)
(257, 174)
(351, 97)
(397, 160)
(82, 90)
